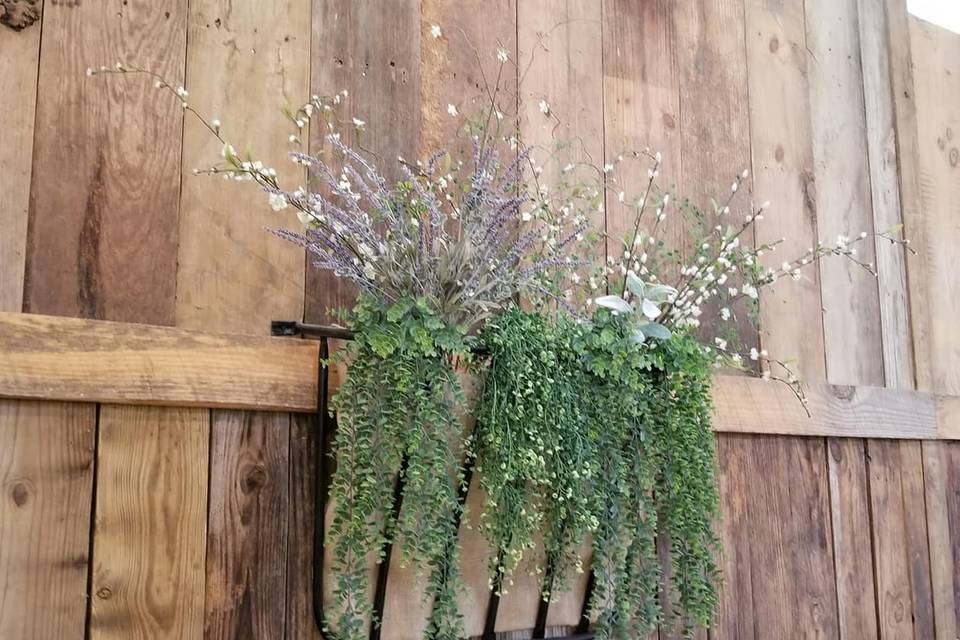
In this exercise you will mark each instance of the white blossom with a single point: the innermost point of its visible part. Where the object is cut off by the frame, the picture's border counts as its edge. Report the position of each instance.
(435, 31)
(278, 201)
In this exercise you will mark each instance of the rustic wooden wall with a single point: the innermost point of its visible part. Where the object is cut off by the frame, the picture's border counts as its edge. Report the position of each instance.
(846, 111)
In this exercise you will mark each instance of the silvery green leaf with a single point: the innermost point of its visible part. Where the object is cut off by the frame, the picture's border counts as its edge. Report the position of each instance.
(615, 303)
(660, 292)
(639, 336)
(650, 309)
(635, 285)
(655, 330)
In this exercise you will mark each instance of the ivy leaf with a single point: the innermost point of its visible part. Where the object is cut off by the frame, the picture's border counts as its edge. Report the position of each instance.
(616, 303)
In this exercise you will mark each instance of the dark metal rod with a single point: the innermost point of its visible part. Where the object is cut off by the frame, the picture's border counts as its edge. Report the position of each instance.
(493, 605)
(543, 608)
(320, 491)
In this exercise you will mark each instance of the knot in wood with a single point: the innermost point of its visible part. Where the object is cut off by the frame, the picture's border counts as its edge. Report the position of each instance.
(254, 479)
(19, 14)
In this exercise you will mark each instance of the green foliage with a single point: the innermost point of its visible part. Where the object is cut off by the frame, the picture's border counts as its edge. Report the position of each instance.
(532, 454)
(401, 400)
(582, 428)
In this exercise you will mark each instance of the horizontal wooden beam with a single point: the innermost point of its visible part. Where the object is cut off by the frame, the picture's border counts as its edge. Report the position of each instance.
(749, 405)
(54, 358)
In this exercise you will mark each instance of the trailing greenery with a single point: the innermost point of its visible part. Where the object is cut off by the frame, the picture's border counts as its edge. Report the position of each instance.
(588, 428)
(531, 451)
(399, 412)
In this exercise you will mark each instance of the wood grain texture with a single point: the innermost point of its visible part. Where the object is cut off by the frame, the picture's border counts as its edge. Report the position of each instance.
(908, 165)
(715, 120)
(941, 474)
(852, 336)
(641, 101)
(247, 541)
(461, 68)
(151, 522)
(751, 405)
(902, 560)
(245, 62)
(936, 73)
(371, 49)
(891, 265)
(793, 580)
(19, 63)
(560, 48)
(851, 534)
(69, 359)
(106, 164)
(790, 313)
(735, 616)
(46, 480)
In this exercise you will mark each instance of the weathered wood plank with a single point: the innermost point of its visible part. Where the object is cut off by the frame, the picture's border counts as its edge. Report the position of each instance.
(908, 169)
(941, 474)
(641, 101)
(790, 312)
(151, 515)
(852, 335)
(106, 164)
(69, 359)
(735, 617)
(851, 535)
(461, 68)
(245, 61)
(247, 525)
(561, 58)
(894, 305)
(750, 405)
(902, 560)
(371, 49)
(19, 62)
(793, 582)
(46, 475)
(936, 67)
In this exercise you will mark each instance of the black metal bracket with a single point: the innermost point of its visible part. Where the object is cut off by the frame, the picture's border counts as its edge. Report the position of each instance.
(325, 425)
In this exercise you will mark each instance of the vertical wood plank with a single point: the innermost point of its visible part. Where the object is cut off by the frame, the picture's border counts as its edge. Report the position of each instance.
(106, 164)
(19, 62)
(245, 61)
(151, 523)
(46, 479)
(936, 67)
(904, 611)
(908, 166)
(461, 67)
(852, 537)
(247, 542)
(852, 335)
(714, 115)
(371, 49)
(941, 466)
(735, 618)
(926, 77)
(641, 98)
(794, 588)
(560, 46)
(791, 319)
(885, 194)
(300, 520)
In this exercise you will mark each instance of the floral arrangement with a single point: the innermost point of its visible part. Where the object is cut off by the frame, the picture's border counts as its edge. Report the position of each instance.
(593, 418)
